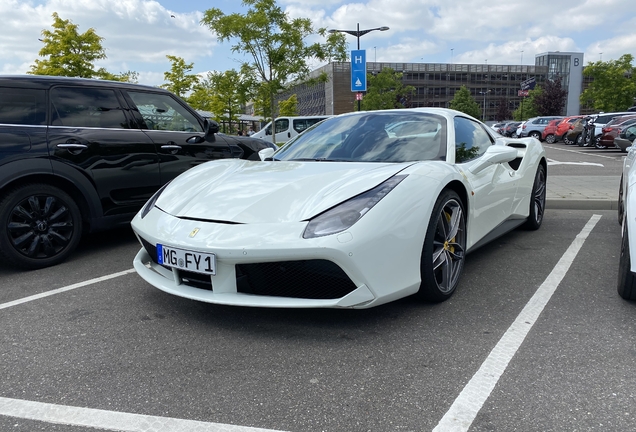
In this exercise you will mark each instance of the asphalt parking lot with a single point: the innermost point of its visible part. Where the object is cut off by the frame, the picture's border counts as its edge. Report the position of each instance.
(120, 354)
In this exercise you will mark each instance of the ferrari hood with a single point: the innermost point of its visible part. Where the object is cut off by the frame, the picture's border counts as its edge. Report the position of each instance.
(239, 191)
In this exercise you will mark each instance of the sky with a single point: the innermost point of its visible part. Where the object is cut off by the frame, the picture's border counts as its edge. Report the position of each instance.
(138, 34)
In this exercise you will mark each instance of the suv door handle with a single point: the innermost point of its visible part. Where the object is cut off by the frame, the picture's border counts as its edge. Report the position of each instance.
(172, 148)
(73, 147)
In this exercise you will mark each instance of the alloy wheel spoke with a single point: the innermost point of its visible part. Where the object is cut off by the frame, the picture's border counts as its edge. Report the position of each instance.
(24, 238)
(61, 211)
(48, 205)
(59, 237)
(31, 250)
(34, 203)
(21, 212)
(47, 246)
(454, 223)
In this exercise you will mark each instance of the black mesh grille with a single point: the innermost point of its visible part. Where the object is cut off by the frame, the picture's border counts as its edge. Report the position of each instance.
(196, 280)
(150, 248)
(311, 279)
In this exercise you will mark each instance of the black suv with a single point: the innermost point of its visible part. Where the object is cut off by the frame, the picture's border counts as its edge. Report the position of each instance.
(81, 155)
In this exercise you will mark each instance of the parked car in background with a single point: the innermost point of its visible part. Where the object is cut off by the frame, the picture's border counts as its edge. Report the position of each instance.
(563, 128)
(549, 132)
(498, 126)
(575, 134)
(600, 120)
(533, 127)
(286, 128)
(510, 129)
(82, 155)
(625, 139)
(615, 127)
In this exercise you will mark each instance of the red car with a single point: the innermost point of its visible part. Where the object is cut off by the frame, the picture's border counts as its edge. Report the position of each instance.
(615, 127)
(549, 133)
(564, 127)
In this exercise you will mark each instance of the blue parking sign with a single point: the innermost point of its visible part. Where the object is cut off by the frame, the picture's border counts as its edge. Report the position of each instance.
(358, 71)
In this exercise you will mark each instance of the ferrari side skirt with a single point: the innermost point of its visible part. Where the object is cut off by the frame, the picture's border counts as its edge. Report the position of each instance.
(503, 228)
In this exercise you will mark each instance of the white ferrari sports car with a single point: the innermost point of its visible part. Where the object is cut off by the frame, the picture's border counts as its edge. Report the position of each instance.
(627, 219)
(359, 210)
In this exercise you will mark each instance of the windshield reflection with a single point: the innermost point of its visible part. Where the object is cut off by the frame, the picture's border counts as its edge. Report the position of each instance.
(380, 136)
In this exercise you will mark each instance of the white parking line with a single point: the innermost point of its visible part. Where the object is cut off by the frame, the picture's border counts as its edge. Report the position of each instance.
(584, 153)
(63, 289)
(110, 420)
(465, 408)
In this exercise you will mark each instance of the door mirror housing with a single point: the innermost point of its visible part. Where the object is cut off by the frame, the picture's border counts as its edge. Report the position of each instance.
(211, 127)
(495, 154)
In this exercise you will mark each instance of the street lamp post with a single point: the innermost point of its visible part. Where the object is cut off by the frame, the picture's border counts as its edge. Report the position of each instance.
(483, 114)
(357, 33)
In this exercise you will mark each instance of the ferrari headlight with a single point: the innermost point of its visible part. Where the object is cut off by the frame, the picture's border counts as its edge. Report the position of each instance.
(344, 215)
(151, 202)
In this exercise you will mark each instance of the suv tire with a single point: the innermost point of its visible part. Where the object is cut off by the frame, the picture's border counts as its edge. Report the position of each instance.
(40, 225)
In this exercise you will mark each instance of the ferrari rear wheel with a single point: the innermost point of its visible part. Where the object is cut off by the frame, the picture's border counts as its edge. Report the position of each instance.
(537, 200)
(444, 249)
(626, 279)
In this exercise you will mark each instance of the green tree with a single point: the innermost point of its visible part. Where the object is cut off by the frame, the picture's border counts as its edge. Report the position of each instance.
(276, 44)
(66, 52)
(503, 110)
(464, 102)
(551, 100)
(288, 107)
(614, 84)
(528, 108)
(129, 76)
(386, 91)
(178, 80)
(223, 94)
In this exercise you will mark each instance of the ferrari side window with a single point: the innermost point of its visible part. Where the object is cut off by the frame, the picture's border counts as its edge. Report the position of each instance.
(471, 140)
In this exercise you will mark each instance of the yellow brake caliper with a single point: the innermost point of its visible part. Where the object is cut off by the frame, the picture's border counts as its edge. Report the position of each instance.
(447, 245)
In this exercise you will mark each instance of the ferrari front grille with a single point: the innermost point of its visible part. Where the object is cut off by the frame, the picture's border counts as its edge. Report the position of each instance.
(308, 279)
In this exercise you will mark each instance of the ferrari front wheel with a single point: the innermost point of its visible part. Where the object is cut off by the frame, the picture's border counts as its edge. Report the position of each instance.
(444, 249)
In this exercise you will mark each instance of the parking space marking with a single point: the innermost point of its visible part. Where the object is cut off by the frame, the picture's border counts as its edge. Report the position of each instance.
(586, 153)
(63, 289)
(470, 401)
(110, 420)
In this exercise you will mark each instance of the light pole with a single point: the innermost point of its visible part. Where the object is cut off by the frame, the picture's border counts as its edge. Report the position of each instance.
(483, 114)
(357, 33)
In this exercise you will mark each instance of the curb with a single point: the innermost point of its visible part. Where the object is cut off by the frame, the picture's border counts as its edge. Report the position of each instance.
(581, 204)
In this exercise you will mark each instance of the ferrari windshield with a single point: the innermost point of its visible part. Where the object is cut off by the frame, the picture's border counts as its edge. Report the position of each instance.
(376, 136)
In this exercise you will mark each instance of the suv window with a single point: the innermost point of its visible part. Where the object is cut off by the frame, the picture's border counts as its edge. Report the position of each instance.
(86, 107)
(302, 124)
(22, 106)
(471, 140)
(162, 112)
(281, 125)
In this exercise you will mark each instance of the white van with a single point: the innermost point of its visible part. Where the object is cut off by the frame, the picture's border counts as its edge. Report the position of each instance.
(287, 127)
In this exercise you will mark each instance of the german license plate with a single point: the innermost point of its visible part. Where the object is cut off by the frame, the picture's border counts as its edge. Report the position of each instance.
(197, 262)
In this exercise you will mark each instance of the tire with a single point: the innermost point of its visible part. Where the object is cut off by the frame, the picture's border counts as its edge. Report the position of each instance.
(444, 249)
(535, 134)
(41, 225)
(626, 279)
(597, 142)
(579, 140)
(621, 204)
(550, 139)
(537, 200)
(566, 140)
